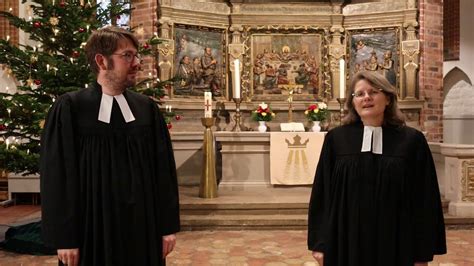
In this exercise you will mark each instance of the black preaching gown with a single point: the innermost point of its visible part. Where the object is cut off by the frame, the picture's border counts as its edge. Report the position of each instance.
(369, 209)
(108, 189)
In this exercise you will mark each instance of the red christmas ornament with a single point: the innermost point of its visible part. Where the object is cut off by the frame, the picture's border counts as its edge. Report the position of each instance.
(3, 127)
(76, 54)
(146, 46)
(62, 4)
(37, 82)
(118, 17)
(169, 126)
(37, 24)
(81, 30)
(177, 117)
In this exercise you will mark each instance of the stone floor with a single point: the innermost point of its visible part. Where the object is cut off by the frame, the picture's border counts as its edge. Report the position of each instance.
(282, 247)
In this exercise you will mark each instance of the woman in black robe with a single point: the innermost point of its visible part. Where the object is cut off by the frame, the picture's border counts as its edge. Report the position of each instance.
(375, 199)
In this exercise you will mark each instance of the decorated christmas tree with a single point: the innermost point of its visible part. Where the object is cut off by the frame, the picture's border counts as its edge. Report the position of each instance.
(56, 64)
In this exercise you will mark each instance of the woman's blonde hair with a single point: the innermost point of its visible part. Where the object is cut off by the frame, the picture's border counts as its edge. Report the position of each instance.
(392, 114)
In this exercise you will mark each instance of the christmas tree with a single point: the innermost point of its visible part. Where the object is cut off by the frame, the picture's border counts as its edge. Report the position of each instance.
(55, 65)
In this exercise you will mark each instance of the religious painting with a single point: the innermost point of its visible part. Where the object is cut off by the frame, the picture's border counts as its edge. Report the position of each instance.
(199, 61)
(284, 64)
(375, 50)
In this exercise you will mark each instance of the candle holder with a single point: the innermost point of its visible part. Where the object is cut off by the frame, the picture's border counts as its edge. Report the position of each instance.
(341, 102)
(238, 127)
(208, 185)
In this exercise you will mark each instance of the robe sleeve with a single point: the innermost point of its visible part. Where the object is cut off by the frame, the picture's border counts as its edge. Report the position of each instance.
(59, 179)
(428, 221)
(320, 197)
(168, 198)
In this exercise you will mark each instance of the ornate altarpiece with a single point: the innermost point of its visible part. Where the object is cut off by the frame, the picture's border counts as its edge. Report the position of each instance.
(287, 46)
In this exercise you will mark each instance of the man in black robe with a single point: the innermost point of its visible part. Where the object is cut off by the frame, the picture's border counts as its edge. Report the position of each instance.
(108, 177)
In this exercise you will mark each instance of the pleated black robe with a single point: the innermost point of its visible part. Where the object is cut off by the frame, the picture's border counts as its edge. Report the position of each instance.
(369, 209)
(108, 189)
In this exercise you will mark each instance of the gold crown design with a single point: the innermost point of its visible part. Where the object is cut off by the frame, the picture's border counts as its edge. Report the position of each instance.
(296, 142)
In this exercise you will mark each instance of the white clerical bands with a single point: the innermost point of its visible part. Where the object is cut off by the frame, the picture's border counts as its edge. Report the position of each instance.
(372, 139)
(105, 110)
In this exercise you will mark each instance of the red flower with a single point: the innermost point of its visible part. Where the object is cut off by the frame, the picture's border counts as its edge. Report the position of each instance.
(313, 107)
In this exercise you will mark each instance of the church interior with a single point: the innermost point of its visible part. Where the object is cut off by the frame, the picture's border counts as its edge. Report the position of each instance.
(245, 179)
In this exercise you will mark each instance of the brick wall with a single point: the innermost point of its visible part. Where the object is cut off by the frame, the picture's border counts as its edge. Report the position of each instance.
(431, 67)
(5, 28)
(451, 22)
(144, 15)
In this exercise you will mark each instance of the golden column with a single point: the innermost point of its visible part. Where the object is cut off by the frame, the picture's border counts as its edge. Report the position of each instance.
(208, 186)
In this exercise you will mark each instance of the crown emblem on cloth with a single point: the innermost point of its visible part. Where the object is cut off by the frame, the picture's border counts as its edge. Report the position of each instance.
(296, 143)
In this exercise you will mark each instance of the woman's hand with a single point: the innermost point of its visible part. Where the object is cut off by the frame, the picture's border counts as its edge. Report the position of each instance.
(69, 257)
(169, 242)
(319, 257)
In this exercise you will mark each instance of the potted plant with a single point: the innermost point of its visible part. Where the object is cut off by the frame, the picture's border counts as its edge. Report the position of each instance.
(316, 113)
(262, 114)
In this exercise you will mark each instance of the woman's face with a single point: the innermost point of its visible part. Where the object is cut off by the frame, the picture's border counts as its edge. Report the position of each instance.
(369, 103)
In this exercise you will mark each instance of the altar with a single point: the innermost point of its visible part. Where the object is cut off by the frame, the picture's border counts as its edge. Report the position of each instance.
(267, 159)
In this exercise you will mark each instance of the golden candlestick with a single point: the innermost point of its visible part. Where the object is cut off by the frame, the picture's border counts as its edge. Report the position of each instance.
(341, 102)
(238, 127)
(208, 185)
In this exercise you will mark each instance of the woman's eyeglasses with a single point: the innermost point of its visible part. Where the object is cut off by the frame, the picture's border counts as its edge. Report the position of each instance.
(371, 93)
(129, 57)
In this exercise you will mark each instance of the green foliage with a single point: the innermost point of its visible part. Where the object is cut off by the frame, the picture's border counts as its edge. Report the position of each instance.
(55, 65)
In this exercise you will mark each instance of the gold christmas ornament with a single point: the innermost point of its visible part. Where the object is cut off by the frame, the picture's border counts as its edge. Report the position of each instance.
(54, 21)
(41, 124)
(29, 82)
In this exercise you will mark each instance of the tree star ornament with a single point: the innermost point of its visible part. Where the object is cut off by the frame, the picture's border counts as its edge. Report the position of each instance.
(54, 21)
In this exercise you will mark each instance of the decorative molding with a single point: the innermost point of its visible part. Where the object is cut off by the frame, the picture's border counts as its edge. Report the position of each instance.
(467, 180)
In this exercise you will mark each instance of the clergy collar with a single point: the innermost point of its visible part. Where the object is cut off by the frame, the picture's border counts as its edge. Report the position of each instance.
(105, 110)
(372, 139)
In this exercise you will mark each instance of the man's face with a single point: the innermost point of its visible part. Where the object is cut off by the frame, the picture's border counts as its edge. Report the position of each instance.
(122, 66)
(208, 51)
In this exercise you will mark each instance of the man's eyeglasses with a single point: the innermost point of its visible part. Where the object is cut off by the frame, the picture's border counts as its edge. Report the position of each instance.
(129, 57)
(371, 93)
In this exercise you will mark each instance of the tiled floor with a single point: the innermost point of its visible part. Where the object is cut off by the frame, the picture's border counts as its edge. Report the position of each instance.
(269, 248)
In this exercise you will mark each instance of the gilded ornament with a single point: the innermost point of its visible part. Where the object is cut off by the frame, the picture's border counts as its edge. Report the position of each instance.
(54, 21)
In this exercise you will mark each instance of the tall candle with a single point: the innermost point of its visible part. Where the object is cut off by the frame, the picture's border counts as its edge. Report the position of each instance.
(207, 104)
(342, 78)
(236, 78)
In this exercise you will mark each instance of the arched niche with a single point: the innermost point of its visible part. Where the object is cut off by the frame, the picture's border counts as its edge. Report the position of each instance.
(458, 111)
(452, 77)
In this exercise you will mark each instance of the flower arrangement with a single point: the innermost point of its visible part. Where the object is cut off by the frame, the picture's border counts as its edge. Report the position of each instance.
(317, 112)
(263, 113)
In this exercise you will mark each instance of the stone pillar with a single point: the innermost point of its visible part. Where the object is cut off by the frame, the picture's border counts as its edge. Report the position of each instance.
(459, 178)
(165, 51)
(337, 48)
(411, 55)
